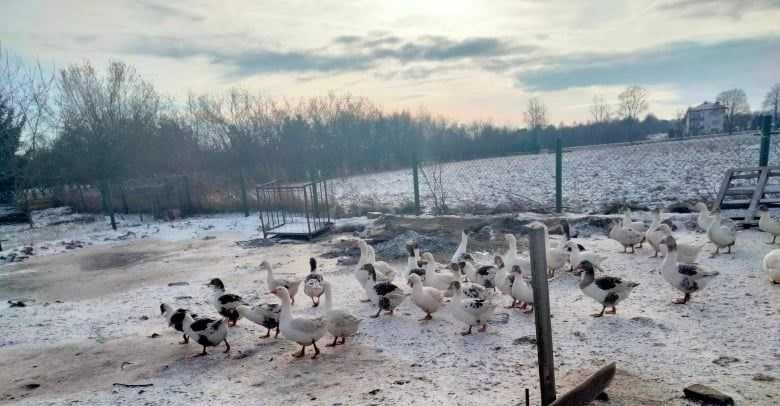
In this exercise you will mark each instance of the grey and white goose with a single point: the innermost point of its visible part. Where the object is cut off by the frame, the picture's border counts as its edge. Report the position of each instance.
(264, 314)
(414, 265)
(606, 290)
(686, 278)
(175, 319)
(312, 284)
(225, 303)
(384, 295)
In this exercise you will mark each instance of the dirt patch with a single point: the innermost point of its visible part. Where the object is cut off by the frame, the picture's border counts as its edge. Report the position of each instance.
(108, 260)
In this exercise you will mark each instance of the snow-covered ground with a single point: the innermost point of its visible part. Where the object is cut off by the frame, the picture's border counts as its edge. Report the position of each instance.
(91, 312)
(649, 174)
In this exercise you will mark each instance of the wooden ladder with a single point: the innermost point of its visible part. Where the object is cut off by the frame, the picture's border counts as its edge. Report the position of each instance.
(747, 195)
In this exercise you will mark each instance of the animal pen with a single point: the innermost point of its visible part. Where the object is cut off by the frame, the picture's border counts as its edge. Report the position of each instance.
(294, 211)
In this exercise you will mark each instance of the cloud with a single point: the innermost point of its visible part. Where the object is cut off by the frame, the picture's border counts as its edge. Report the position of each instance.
(163, 11)
(684, 63)
(347, 53)
(716, 8)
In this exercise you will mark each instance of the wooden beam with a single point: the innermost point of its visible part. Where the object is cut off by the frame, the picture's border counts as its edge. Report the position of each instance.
(757, 195)
(589, 389)
(723, 187)
(538, 247)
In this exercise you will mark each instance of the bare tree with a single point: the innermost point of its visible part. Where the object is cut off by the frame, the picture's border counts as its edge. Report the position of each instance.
(536, 114)
(600, 110)
(632, 102)
(772, 103)
(736, 103)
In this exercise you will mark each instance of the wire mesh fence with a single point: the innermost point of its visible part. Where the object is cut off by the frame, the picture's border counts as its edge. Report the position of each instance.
(598, 179)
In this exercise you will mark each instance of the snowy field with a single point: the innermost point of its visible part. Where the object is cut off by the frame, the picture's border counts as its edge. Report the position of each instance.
(92, 314)
(650, 174)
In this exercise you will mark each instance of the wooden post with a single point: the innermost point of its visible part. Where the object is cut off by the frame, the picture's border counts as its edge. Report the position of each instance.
(416, 183)
(244, 199)
(766, 127)
(558, 175)
(537, 245)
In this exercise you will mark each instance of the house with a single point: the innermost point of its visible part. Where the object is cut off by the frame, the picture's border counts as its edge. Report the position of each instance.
(706, 118)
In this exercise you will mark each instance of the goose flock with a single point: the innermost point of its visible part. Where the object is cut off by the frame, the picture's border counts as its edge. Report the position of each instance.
(470, 290)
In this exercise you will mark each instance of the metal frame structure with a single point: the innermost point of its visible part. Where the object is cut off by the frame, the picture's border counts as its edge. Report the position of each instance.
(294, 211)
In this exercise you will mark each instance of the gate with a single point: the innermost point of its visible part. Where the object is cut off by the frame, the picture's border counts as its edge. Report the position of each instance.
(294, 211)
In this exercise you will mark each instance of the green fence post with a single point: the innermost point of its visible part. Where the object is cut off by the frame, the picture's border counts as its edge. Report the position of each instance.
(558, 175)
(763, 158)
(416, 181)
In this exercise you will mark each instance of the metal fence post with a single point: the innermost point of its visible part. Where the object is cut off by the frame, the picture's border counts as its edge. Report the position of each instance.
(416, 182)
(558, 175)
(763, 158)
(537, 245)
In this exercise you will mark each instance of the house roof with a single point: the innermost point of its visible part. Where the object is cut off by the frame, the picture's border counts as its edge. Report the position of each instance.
(708, 106)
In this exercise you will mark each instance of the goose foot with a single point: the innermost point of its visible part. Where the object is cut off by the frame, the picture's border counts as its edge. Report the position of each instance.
(613, 311)
(316, 350)
(343, 340)
(300, 353)
(365, 300)
(599, 314)
(529, 309)
(373, 316)
(465, 333)
(277, 332)
(426, 318)
(483, 328)
(333, 344)
(202, 354)
(268, 334)
(227, 347)
(185, 339)
(683, 300)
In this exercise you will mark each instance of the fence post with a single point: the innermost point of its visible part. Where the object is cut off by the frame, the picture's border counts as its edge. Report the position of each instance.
(537, 245)
(244, 199)
(416, 182)
(108, 203)
(763, 158)
(558, 175)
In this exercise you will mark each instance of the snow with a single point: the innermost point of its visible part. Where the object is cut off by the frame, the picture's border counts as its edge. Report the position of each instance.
(653, 174)
(76, 349)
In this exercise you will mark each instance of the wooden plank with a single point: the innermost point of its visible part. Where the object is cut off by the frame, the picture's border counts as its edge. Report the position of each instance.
(589, 389)
(537, 246)
(723, 187)
(759, 193)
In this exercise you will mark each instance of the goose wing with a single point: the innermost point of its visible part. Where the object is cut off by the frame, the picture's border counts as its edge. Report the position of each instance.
(308, 325)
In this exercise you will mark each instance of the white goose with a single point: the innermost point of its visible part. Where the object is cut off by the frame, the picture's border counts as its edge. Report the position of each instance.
(462, 247)
(302, 330)
(606, 290)
(557, 256)
(722, 233)
(312, 283)
(626, 235)
(637, 226)
(338, 322)
(206, 332)
(439, 280)
(428, 299)
(687, 278)
(705, 218)
(771, 265)
(768, 223)
(578, 253)
(384, 270)
(472, 312)
(291, 285)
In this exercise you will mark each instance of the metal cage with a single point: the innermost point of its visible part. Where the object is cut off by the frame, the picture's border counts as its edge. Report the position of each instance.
(294, 211)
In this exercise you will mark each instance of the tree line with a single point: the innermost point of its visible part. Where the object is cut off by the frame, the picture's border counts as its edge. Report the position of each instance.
(83, 125)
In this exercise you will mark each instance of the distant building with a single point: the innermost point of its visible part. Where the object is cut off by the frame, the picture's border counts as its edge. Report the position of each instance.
(706, 118)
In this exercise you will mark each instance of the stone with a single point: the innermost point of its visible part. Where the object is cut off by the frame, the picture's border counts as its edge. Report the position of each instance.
(725, 361)
(529, 340)
(373, 215)
(707, 395)
(763, 378)
(374, 391)
(178, 284)
(17, 303)
(603, 397)
(31, 386)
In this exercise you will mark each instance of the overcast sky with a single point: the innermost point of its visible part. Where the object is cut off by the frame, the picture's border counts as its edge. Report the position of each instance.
(466, 60)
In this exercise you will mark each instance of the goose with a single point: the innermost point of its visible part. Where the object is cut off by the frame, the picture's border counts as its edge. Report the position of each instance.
(768, 223)
(290, 284)
(175, 319)
(206, 332)
(362, 277)
(339, 323)
(578, 253)
(439, 280)
(428, 299)
(367, 253)
(302, 330)
(522, 292)
(626, 235)
(468, 289)
(384, 295)
(557, 257)
(511, 257)
(413, 261)
(606, 290)
(722, 233)
(264, 314)
(657, 232)
(225, 303)
(312, 283)
(462, 247)
(771, 265)
(687, 278)
(382, 268)
(687, 252)
(704, 218)
(637, 226)
(471, 311)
